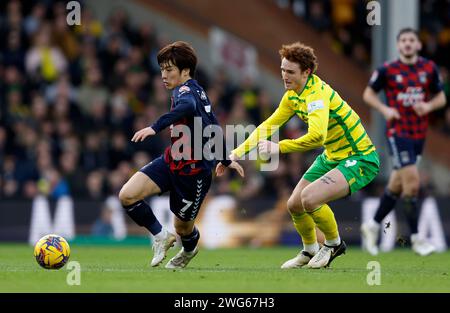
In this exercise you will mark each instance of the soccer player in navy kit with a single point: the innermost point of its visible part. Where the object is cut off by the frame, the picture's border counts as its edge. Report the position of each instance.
(413, 89)
(187, 177)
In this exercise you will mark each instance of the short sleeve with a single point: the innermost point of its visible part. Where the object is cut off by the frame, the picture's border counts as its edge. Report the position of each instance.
(378, 79)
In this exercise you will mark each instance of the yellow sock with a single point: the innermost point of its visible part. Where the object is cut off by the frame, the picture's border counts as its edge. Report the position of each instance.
(305, 226)
(323, 216)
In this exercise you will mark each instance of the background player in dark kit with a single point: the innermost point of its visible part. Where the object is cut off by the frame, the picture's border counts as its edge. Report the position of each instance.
(413, 89)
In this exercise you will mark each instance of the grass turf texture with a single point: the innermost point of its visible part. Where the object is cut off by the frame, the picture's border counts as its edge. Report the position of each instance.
(126, 269)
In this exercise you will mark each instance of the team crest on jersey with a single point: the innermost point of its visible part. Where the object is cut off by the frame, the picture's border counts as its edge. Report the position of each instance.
(203, 96)
(183, 89)
(423, 77)
(398, 78)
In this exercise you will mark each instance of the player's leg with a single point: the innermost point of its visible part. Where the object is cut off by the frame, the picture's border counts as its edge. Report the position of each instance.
(132, 196)
(349, 176)
(190, 236)
(305, 226)
(140, 186)
(398, 147)
(303, 221)
(409, 176)
(370, 230)
(331, 186)
(411, 183)
(391, 194)
(186, 198)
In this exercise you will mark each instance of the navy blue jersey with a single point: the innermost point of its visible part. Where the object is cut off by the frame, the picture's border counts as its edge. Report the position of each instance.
(191, 108)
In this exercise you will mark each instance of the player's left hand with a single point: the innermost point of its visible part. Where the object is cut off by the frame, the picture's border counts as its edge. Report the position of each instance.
(236, 166)
(140, 135)
(220, 168)
(268, 147)
(422, 108)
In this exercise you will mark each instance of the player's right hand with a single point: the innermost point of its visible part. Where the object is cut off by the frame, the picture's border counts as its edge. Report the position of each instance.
(140, 135)
(391, 114)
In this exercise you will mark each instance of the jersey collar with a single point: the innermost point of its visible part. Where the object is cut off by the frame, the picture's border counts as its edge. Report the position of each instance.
(306, 87)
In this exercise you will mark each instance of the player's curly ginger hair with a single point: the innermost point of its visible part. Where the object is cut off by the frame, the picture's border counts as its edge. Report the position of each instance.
(301, 54)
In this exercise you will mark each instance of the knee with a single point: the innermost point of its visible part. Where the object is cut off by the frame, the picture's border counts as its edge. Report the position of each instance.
(395, 187)
(411, 189)
(126, 198)
(294, 205)
(308, 201)
(184, 230)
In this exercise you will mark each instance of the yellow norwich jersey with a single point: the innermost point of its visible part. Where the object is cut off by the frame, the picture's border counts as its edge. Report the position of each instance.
(331, 123)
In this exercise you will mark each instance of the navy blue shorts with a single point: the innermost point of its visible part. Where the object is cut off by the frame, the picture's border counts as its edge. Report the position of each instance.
(405, 151)
(186, 192)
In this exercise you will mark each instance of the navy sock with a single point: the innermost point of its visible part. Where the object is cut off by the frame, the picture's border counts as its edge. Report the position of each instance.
(412, 213)
(142, 214)
(387, 203)
(190, 241)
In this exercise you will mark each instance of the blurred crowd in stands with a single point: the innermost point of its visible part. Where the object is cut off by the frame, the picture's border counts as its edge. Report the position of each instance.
(71, 97)
(343, 23)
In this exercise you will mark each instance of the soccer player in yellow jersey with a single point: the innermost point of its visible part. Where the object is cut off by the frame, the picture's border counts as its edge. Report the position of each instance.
(348, 163)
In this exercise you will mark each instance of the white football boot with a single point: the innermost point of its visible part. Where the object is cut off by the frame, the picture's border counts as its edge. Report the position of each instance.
(326, 255)
(298, 261)
(421, 246)
(160, 247)
(182, 258)
(370, 231)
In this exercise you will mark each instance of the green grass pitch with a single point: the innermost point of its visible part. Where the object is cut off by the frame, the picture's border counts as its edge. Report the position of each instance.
(126, 269)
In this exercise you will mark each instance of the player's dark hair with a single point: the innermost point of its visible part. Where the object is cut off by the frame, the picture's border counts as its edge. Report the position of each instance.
(301, 54)
(181, 54)
(407, 30)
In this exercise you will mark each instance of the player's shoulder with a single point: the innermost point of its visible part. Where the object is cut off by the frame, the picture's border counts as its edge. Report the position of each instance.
(289, 93)
(314, 81)
(184, 88)
(424, 62)
(288, 97)
(187, 90)
(388, 65)
(318, 88)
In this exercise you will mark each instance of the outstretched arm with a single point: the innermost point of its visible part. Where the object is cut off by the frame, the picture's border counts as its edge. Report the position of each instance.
(184, 108)
(281, 115)
(318, 116)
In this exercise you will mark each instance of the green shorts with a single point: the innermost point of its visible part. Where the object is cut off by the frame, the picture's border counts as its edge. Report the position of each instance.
(359, 170)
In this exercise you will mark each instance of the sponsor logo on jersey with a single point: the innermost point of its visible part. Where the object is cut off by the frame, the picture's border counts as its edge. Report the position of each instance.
(398, 78)
(315, 105)
(183, 89)
(411, 96)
